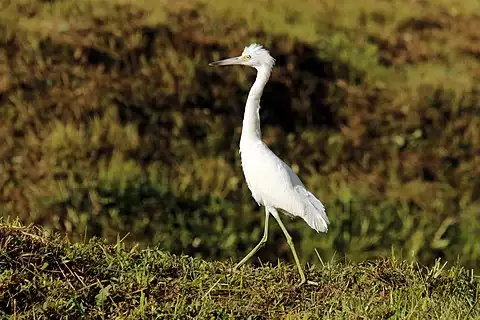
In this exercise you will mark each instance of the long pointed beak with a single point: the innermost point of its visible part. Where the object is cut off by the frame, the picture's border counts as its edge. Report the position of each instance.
(226, 62)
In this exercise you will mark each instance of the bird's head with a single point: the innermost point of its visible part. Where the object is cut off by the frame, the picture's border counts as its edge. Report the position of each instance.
(254, 56)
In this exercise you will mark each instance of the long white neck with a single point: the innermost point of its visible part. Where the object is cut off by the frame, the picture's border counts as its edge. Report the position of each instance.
(251, 120)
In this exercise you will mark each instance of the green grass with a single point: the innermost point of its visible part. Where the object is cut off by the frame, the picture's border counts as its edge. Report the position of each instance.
(44, 277)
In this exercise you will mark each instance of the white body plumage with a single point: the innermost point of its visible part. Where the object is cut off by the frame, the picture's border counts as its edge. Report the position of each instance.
(272, 182)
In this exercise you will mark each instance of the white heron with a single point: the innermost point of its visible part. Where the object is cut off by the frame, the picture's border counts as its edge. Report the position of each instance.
(272, 183)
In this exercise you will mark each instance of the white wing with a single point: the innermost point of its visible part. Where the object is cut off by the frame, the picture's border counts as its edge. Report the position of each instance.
(273, 183)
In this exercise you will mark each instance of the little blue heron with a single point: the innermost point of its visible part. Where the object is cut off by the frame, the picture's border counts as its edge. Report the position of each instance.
(272, 183)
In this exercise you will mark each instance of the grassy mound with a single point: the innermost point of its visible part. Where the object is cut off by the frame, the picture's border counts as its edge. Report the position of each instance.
(44, 277)
(113, 123)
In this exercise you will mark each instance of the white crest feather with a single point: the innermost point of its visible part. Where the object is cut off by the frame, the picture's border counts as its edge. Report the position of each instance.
(259, 56)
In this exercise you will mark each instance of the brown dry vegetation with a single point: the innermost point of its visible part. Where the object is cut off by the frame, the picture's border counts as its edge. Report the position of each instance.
(113, 123)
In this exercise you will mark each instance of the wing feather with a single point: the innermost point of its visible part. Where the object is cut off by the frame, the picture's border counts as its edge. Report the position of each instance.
(314, 214)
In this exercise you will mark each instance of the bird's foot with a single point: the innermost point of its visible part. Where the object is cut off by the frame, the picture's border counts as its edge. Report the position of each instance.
(304, 281)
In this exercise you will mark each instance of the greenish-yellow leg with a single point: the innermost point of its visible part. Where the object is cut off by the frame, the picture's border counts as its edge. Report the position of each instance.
(292, 247)
(259, 245)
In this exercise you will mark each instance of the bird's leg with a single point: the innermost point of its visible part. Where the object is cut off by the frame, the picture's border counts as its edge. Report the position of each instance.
(292, 246)
(259, 245)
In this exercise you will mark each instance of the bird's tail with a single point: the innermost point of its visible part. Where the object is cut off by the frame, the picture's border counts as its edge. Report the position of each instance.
(314, 215)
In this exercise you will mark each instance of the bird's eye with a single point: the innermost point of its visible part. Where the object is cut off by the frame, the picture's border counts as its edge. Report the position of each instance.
(247, 57)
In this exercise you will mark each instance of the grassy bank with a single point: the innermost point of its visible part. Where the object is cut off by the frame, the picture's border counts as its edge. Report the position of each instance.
(45, 277)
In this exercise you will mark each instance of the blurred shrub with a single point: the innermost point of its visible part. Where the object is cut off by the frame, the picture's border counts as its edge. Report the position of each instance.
(113, 123)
